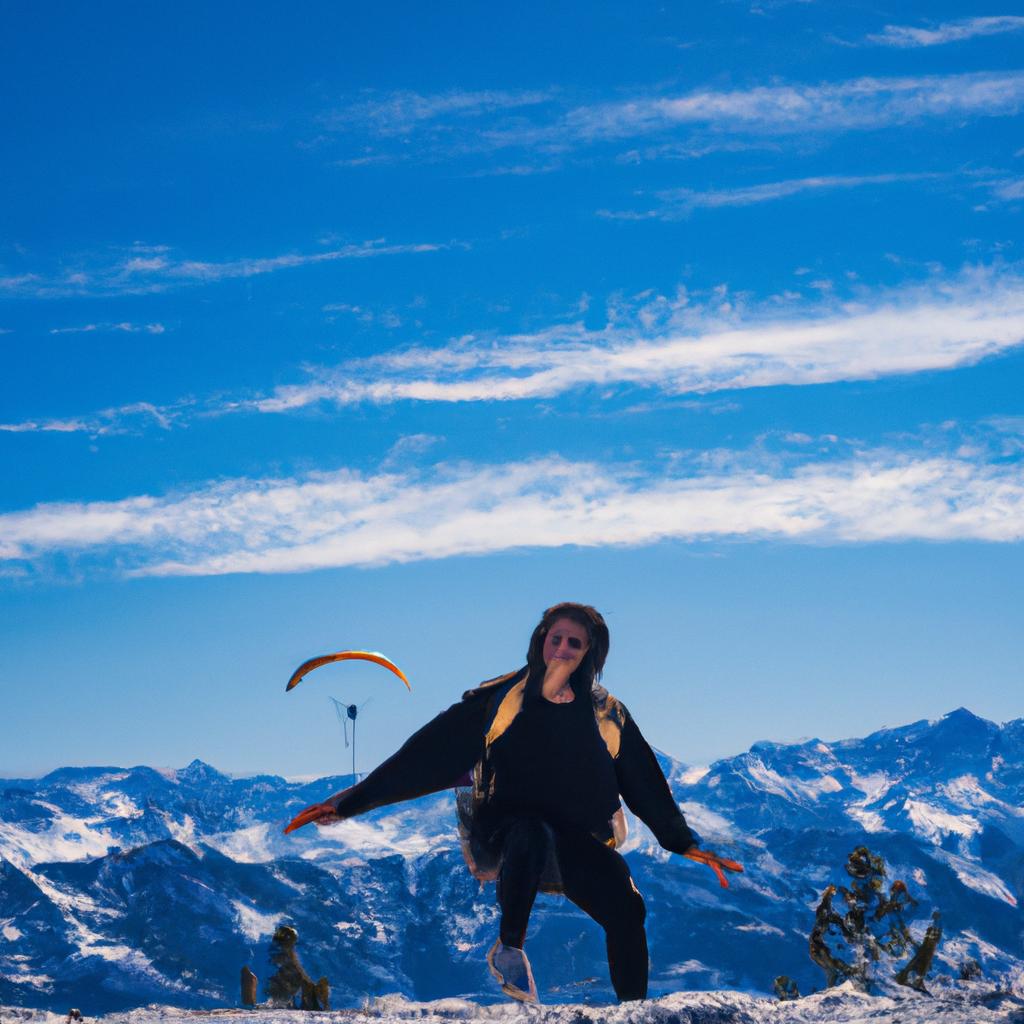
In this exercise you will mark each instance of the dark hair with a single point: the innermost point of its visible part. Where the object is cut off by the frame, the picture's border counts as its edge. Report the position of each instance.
(597, 638)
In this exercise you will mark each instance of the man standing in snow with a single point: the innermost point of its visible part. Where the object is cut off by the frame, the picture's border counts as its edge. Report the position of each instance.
(550, 752)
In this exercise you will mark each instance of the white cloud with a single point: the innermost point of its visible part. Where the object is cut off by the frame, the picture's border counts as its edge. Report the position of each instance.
(947, 32)
(15, 283)
(516, 170)
(407, 447)
(862, 103)
(673, 346)
(198, 270)
(694, 150)
(409, 126)
(136, 274)
(386, 318)
(125, 326)
(352, 519)
(1009, 189)
(51, 426)
(396, 113)
(678, 202)
(120, 420)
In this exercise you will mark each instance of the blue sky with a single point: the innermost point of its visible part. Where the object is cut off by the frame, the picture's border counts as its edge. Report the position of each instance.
(388, 327)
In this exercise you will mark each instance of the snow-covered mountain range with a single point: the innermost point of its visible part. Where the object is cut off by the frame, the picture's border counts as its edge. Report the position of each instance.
(120, 887)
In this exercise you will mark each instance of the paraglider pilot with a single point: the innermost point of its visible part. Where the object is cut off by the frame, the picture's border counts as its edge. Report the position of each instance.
(550, 752)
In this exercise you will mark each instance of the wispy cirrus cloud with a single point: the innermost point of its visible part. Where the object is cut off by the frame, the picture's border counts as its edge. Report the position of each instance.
(906, 36)
(1007, 189)
(695, 149)
(670, 345)
(438, 125)
(402, 111)
(675, 346)
(200, 270)
(386, 318)
(407, 126)
(12, 284)
(125, 327)
(861, 103)
(155, 268)
(677, 203)
(347, 518)
(123, 419)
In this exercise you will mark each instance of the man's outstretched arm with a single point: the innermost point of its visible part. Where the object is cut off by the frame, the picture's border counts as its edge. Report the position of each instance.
(432, 759)
(645, 789)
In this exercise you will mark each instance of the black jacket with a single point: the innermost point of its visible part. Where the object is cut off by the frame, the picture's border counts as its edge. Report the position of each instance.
(455, 744)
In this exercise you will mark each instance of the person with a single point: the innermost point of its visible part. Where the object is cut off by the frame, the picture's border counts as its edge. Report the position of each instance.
(549, 752)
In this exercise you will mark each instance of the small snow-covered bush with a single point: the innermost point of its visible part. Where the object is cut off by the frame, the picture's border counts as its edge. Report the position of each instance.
(860, 933)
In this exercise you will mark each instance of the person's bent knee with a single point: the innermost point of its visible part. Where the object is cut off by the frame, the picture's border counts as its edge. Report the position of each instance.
(632, 911)
(525, 847)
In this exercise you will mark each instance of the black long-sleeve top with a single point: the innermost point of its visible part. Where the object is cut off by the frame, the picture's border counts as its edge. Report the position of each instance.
(450, 745)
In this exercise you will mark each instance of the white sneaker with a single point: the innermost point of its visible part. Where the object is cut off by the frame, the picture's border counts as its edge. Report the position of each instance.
(510, 966)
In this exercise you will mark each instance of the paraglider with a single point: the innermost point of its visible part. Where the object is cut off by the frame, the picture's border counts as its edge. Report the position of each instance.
(351, 711)
(326, 659)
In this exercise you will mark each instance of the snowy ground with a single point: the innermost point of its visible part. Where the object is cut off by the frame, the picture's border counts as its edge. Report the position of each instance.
(979, 1004)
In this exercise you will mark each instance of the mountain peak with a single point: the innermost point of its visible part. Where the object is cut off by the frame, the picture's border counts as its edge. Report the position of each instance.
(962, 714)
(198, 771)
(964, 723)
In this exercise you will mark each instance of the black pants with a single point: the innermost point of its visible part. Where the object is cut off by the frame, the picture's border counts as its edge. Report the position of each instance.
(594, 877)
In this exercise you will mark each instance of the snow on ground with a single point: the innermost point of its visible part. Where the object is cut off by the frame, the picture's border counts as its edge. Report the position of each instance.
(183, 831)
(254, 925)
(691, 776)
(762, 928)
(252, 845)
(68, 901)
(386, 836)
(966, 792)
(933, 823)
(791, 788)
(975, 877)
(89, 789)
(708, 825)
(873, 785)
(65, 838)
(967, 1004)
(958, 949)
(117, 806)
(870, 821)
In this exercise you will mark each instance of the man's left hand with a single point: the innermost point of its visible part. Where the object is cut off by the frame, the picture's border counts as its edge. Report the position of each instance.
(716, 863)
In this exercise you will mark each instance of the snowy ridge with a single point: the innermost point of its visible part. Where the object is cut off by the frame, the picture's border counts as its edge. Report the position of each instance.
(125, 886)
(964, 1004)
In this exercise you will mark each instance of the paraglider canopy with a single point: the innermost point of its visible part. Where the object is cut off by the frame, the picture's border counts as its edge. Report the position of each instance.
(326, 659)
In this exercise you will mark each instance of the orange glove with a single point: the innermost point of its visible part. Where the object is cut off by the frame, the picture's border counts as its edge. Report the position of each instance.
(714, 862)
(319, 813)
